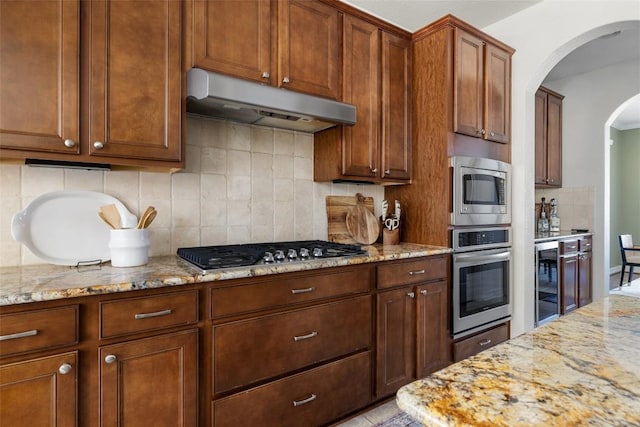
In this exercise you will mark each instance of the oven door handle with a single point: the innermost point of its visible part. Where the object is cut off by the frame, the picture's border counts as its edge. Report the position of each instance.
(482, 257)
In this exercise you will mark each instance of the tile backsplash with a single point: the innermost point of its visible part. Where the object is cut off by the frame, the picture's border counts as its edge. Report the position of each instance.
(575, 205)
(241, 184)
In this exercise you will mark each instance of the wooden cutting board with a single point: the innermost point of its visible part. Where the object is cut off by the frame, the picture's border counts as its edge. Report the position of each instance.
(337, 209)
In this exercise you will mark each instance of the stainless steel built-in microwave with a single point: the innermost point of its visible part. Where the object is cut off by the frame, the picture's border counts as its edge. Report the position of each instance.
(481, 191)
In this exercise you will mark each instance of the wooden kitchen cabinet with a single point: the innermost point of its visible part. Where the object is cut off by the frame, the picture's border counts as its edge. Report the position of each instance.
(548, 138)
(150, 381)
(293, 44)
(482, 88)
(413, 334)
(103, 103)
(585, 268)
(40, 392)
(568, 273)
(376, 78)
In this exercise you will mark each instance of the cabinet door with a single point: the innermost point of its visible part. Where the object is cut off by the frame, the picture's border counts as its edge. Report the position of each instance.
(134, 79)
(396, 107)
(151, 381)
(569, 283)
(234, 37)
(584, 278)
(39, 47)
(361, 63)
(468, 85)
(541, 137)
(497, 101)
(554, 141)
(432, 314)
(40, 392)
(395, 357)
(308, 47)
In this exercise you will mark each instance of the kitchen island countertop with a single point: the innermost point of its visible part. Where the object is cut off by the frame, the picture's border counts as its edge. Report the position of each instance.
(579, 370)
(34, 283)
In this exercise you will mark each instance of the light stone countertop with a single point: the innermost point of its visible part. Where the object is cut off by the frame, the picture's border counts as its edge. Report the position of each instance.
(19, 285)
(560, 235)
(580, 370)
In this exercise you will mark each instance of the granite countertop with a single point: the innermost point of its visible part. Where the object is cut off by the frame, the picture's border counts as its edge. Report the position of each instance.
(27, 284)
(562, 234)
(579, 370)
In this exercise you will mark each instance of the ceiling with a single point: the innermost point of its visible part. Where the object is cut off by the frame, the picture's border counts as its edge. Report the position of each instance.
(415, 14)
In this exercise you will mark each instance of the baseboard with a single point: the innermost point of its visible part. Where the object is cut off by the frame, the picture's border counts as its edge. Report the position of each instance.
(615, 270)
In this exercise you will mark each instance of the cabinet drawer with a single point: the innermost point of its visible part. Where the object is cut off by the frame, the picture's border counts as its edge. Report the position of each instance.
(413, 271)
(584, 244)
(38, 330)
(133, 315)
(312, 398)
(263, 294)
(568, 246)
(249, 351)
(477, 343)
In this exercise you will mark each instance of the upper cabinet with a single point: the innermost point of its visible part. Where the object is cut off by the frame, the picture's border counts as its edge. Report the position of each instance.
(548, 138)
(482, 88)
(294, 47)
(116, 101)
(376, 78)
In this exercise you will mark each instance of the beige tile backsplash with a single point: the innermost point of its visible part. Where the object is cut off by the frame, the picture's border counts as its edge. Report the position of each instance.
(241, 184)
(575, 205)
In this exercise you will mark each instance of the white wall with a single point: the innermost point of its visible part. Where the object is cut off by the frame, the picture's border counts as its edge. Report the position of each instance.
(542, 35)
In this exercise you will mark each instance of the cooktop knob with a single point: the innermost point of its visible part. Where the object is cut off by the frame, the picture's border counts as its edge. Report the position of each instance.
(279, 255)
(317, 252)
(304, 253)
(268, 257)
(292, 254)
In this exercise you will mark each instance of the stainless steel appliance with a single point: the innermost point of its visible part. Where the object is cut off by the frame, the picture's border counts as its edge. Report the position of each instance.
(547, 291)
(210, 258)
(482, 295)
(481, 191)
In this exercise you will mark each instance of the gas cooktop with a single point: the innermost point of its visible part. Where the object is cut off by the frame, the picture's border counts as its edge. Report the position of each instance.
(209, 258)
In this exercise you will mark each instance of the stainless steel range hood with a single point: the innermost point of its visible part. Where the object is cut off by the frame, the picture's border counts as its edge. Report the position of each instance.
(216, 95)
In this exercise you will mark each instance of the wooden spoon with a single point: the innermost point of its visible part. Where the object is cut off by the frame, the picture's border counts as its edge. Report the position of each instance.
(149, 218)
(143, 218)
(112, 215)
(361, 223)
(105, 219)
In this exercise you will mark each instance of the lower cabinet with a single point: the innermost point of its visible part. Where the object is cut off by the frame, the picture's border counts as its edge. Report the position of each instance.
(150, 381)
(568, 273)
(585, 268)
(40, 392)
(470, 346)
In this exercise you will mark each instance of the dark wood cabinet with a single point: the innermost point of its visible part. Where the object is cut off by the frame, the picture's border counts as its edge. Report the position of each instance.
(376, 78)
(413, 334)
(150, 381)
(470, 346)
(568, 273)
(99, 101)
(548, 138)
(482, 88)
(585, 268)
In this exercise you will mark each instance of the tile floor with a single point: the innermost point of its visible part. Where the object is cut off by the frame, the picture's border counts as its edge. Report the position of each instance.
(373, 416)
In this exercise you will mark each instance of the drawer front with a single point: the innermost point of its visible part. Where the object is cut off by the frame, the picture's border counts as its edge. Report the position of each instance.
(312, 398)
(263, 294)
(400, 273)
(246, 352)
(38, 330)
(133, 315)
(568, 246)
(477, 343)
(585, 244)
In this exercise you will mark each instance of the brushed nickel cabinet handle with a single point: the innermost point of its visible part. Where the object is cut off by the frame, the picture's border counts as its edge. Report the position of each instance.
(305, 337)
(17, 335)
(424, 292)
(110, 358)
(303, 401)
(65, 368)
(411, 294)
(154, 314)
(285, 80)
(485, 342)
(374, 170)
(302, 291)
(98, 145)
(69, 143)
(416, 272)
(265, 74)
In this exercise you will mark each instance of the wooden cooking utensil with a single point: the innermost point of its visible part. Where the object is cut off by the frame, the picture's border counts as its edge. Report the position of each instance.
(105, 219)
(112, 215)
(361, 223)
(144, 218)
(149, 218)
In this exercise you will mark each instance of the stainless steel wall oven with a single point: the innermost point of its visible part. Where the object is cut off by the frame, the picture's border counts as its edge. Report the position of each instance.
(482, 295)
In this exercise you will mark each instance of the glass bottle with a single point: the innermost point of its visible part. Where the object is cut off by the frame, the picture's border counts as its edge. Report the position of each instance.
(554, 218)
(543, 221)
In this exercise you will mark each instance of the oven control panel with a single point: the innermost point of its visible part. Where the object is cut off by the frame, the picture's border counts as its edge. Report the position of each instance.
(481, 238)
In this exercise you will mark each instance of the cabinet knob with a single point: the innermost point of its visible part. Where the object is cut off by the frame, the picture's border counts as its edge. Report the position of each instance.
(285, 80)
(424, 292)
(493, 133)
(110, 358)
(374, 170)
(411, 294)
(387, 171)
(265, 75)
(551, 180)
(65, 368)
(98, 145)
(483, 132)
(69, 143)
